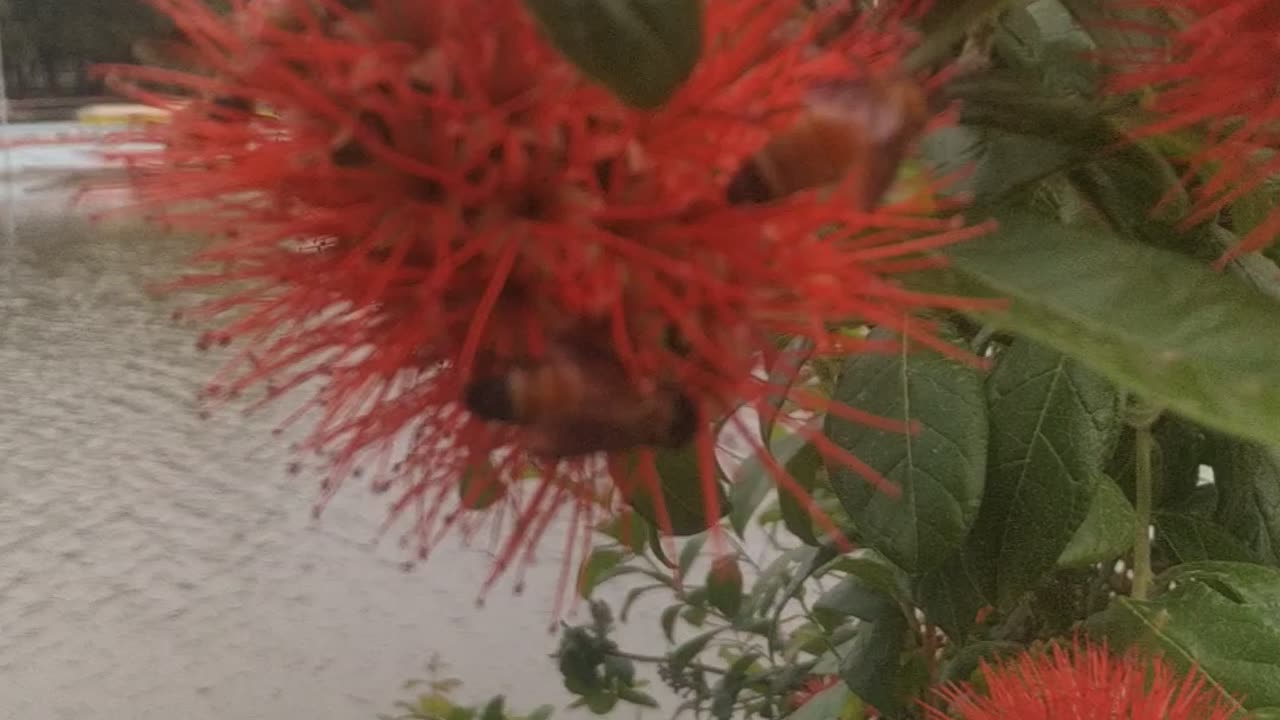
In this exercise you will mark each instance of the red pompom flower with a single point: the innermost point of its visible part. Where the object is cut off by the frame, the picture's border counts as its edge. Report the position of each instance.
(1216, 68)
(465, 248)
(1085, 682)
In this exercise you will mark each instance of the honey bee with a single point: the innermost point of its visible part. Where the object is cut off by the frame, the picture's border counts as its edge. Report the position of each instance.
(578, 399)
(858, 130)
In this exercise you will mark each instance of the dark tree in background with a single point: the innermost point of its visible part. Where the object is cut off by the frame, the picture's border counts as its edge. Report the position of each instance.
(49, 45)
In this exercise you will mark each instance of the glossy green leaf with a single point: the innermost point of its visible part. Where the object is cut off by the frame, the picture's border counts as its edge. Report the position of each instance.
(1247, 476)
(681, 485)
(637, 697)
(1243, 582)
(630, 529)
(598, 567)
(876, 571)
(1107, 531)
(940, 469)
(1216, 623)
(689, 553)
(1180, 335)
(1053, 426)
(642, 50)
(1190, 539)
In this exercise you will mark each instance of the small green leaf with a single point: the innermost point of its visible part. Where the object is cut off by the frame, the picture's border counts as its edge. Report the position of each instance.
(636, 697)
(1221, 617)
(598, 566)
(630, 529)
(1107, 530)
(689, 554)
(870, 667)
(835, 703)
(542, 712)
(803, 468)
(668, 621)
(495, 709)
(689, 649)
(1190, 539)
(681, 485)
(1053, 425)
(642, 50)
(940, 469)
(725, 694)
(635, 594)
(852, 597)
(724, 586)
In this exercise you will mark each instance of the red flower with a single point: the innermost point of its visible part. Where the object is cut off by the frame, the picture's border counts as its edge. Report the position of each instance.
(1084, 683)
(1216, 69)
(411, 200)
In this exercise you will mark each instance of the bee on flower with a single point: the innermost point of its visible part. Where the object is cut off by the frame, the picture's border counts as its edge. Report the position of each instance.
(507, 265)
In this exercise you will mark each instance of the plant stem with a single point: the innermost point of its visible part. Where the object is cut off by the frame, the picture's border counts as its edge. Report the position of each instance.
(1142, 417)
(658, 659)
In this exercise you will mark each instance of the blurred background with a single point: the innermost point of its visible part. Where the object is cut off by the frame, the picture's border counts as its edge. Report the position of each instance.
(154, 564)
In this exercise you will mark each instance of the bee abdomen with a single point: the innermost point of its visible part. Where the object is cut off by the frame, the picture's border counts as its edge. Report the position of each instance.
(492, 399)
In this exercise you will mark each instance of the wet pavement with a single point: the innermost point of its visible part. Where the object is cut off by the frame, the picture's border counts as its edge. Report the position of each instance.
(154, 565)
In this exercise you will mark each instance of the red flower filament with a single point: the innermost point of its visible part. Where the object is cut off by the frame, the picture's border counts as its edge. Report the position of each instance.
(1085, 682)
(1217, 69)
(413, 197)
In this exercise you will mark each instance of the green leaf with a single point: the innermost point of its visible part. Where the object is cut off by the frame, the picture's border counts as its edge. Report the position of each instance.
(1107, 531)
(752, 482)
(1242, 582)
(1190, 539)
(598, 567)
(1053, 425)
(630, 529)
(681, 485)
(1176, 453)
(1247, 476)
(803, 468)
(689, 554)
(961, 666)
(870, 667)
(636, 697)
(689, 649)
(952, 594)
(495, 709)
(668, 621)
(635, 594)
(835, 703)
(876, 571)
(940, 469)
(642, 50)
(782, 375)
(542, 712)
(726, 691)
(1173, 331)
(1222, 618)
(854, 597)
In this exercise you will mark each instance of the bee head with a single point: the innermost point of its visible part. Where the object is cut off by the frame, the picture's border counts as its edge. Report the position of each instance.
(490, 398)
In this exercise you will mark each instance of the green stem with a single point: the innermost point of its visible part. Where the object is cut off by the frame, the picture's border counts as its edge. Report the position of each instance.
(1142, 533)
(1142, 417)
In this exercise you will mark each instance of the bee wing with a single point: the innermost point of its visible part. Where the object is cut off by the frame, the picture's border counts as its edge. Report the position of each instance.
(870, 105)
